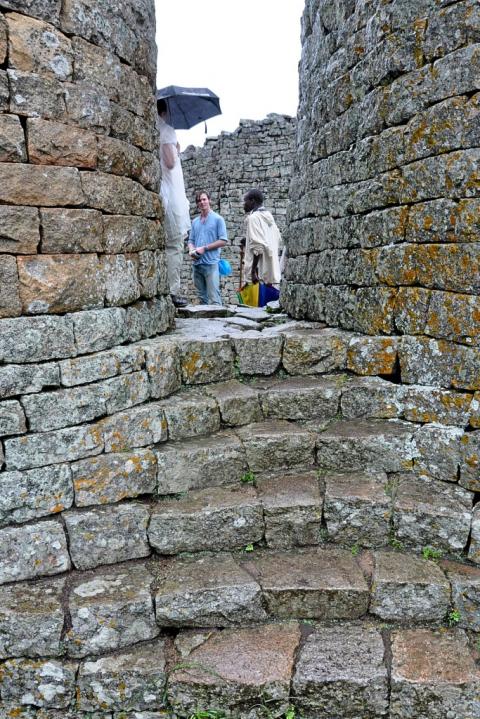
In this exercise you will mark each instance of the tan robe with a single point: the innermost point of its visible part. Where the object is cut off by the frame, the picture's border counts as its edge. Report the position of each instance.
(263, 239)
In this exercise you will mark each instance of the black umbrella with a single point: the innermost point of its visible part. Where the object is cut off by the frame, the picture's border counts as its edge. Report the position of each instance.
(187, 106)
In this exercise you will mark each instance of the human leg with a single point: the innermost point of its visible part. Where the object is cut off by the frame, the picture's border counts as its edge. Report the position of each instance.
(200, 283)
(212, 279)
(174, 255)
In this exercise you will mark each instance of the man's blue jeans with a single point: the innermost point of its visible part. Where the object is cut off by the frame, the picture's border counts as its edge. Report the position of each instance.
(206, 279)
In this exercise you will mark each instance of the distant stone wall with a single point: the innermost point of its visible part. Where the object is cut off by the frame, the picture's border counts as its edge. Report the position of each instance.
(257, 154)
(384, 221)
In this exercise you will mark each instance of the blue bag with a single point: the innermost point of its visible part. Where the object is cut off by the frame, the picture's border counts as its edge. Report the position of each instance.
(224, 267)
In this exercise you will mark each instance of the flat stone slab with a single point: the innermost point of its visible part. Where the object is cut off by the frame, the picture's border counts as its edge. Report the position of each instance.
(316, 584)
(202, 311)
(292, 506)
(302, 398)
(31, 619)
(309, 350)
(371, 397)
(434, 675)
(235, 670)
(340, 672)
(133, 681)
(207, 592)
(465, 582)
(238, 403)
(43, 683)
(200, 463)
(33, 550)
(432, 513)
(407, 588)
(190, 414)
(107, 535)
(277, 444)
(210, 519)
(385, 445)
(357, 508)
(110, 610)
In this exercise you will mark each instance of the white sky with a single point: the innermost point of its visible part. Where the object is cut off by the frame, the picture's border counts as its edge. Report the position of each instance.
(245, 51)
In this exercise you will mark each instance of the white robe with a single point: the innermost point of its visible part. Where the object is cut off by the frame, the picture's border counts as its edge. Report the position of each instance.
(263, 239)
(177, 208)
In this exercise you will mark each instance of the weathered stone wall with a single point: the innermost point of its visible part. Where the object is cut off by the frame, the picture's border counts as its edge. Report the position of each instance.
(385, 211)
(80, 215)
(257, 154)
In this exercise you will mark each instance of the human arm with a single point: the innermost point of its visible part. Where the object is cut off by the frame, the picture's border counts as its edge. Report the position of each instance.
(169, 154)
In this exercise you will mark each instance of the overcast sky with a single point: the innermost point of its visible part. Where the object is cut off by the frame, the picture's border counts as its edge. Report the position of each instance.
(247, 52)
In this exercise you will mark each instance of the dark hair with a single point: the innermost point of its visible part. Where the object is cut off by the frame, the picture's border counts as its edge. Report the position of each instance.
(256, 196)
(201, 192)
(162, 106)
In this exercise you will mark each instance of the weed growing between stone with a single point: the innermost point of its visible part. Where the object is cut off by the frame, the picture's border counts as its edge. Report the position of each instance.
(432, 553)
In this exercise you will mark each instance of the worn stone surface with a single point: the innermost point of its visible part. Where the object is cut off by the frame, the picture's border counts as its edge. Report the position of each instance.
(355, 445)
(38, 47)
(276, 444)
(433, 675)
(358, 508)
(198, 463)
(31, 619)
(33, 185)
(220, 673)
(107, 535)
(431, 513)
(32, 551)
(110, 610)
(47, 683)
(238, 403)
(206, 361)
(12, 418)
(10, 303)
(474, 550)
(101, 365)
(207, 592)
(63, 445)
(190, 414)
(110, 478)
(465, 583)
(292, 506)
(53, 143)
(315, 584)
(97, 330)
(412, 589)
(71, 231)
(341, 669)
(23, 379)
(370, 397)
(130, 681)
(210, 519)
(12, 140)
(258, 355)
(136, 427)
(314, 352)
(302, 398)
(35, 493)
(372, 355)
(31, 339)
(20, 229)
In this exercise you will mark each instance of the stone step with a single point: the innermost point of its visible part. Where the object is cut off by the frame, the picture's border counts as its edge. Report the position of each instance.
(321, 583)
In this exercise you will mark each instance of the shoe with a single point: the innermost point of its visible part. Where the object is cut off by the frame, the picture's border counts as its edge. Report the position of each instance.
(179, 301)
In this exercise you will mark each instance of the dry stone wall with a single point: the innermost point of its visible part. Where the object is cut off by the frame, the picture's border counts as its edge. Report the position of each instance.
(81, 240)
(385, 202)
(257, 154)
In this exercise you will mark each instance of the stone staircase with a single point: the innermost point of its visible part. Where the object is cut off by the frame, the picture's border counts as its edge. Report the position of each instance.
(259, 527)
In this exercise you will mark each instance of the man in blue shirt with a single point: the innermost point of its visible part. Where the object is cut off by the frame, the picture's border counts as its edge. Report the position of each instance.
(207, 236)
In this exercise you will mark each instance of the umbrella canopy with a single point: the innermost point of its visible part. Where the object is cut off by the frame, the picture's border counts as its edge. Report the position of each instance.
(187, 106)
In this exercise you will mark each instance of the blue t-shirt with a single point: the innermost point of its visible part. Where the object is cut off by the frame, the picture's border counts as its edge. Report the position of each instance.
(206, 233)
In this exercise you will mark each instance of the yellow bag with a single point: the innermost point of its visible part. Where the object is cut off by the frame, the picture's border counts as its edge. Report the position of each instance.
(249, 295)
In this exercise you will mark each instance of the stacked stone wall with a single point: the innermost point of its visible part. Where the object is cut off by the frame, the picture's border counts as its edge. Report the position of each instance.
(257, 154)
(81, 239)
(384, 221)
